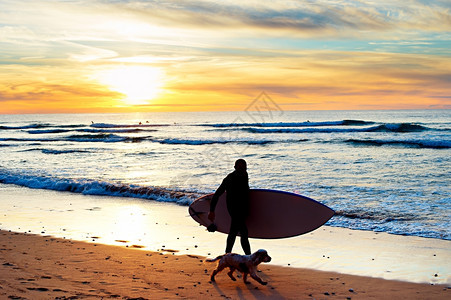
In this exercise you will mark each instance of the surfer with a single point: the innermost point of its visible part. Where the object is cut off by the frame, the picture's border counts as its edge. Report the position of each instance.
(236, 184)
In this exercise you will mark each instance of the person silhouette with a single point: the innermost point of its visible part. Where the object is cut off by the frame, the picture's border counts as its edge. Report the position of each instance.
(236, 184)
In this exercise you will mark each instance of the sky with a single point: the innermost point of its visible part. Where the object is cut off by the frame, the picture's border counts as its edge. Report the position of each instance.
(144, 56)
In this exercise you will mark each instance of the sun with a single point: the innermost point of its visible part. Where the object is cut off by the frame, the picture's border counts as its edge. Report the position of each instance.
(138, 84)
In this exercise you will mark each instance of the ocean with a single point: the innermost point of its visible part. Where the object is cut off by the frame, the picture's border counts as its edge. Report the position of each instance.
(382, 171)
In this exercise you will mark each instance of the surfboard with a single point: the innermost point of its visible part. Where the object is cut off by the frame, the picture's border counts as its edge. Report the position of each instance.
(272, 214)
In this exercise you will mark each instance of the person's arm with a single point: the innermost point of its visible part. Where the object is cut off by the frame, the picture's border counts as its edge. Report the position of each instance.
(214, 201)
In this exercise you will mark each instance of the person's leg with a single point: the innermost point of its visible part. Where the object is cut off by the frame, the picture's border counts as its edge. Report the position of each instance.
(233, 232)
(245, 238)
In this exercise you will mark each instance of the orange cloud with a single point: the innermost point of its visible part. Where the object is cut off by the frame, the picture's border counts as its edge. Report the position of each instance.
(318, 80)
(296, 80)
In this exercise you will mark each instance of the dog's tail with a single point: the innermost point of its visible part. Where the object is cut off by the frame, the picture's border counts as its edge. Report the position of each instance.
(214, 259)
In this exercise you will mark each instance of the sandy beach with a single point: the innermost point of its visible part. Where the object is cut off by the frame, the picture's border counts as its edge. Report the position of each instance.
(56, 245)
(44, 267)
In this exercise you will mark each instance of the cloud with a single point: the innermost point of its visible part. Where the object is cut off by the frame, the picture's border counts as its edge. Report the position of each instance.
(315, 74)
(82, 20)
(298, 17)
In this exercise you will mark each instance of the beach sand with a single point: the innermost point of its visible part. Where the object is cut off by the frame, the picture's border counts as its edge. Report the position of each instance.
(44, 267)
(59, 245)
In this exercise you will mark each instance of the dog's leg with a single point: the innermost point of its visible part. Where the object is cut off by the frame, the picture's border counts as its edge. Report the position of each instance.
(258, 279)
(212, 277)
(231, 274)
(218, 269)
(245, 278)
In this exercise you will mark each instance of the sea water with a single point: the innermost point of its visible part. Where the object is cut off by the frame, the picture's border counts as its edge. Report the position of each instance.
(384, 171)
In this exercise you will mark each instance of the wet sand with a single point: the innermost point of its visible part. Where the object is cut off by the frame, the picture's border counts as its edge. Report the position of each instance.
(44, 267)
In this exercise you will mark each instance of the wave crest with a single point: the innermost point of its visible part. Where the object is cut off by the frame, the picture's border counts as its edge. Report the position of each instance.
(428, 144)
(293, 124)
(109, 125)
(92, 187)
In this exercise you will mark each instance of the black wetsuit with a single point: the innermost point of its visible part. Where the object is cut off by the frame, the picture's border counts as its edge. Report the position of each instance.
(237, 186)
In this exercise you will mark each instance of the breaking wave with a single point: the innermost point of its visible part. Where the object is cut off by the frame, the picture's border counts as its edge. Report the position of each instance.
(53, 151)
(47, 131)
(382, 216)
(293, 124)
(92, 187)
(210, 142)
(403, 143)
(88, 130)
(39, 126)
(101, 137)
(109, 125)
(397, 128)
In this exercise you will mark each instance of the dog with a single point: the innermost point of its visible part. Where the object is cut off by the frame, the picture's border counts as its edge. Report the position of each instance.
(246, 264)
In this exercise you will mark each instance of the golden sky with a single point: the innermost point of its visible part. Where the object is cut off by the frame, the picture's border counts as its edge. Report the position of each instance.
(122, 56)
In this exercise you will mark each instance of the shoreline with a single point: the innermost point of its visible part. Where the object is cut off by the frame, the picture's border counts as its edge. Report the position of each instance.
(156, 226)
(44, 267)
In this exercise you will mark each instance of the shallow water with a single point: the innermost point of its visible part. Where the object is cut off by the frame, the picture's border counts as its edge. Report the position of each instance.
(385, 171)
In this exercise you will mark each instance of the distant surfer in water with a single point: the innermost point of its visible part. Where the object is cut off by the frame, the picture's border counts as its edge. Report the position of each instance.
(237, 186)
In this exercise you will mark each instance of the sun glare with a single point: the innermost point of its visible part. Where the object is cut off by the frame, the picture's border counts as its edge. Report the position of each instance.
(130, 223)
(138, 84)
